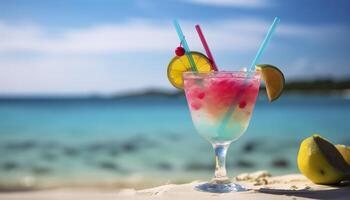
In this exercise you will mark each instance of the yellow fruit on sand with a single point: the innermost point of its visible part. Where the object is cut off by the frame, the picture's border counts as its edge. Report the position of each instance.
(320, 161)
(344, 151)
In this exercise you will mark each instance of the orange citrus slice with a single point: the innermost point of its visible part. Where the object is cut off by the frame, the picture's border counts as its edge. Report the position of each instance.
(181, 64)
(274, 80)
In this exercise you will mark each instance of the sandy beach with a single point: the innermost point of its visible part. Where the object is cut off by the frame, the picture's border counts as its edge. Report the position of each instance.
(260, 185)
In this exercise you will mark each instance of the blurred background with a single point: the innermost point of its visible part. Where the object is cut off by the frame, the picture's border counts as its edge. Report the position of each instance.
(85, 100)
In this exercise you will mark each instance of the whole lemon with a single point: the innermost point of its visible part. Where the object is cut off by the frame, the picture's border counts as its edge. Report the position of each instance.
(320, 161)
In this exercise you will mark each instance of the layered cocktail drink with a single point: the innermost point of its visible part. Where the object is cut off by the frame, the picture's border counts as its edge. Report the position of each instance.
(221, 105)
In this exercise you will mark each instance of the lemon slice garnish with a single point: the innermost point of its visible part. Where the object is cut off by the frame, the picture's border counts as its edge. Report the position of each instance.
(274, 80)
(181, 64)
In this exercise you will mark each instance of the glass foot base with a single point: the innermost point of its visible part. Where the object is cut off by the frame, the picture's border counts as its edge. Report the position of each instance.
(220, 188)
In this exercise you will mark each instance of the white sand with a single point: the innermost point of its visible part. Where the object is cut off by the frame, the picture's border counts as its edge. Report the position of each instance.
(260, 184)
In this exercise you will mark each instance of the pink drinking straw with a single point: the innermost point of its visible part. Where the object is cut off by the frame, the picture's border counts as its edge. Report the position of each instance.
(206, 47)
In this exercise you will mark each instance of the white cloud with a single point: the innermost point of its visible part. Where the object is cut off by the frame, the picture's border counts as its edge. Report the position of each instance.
(131, 36)
(233, 3)
(139, 35)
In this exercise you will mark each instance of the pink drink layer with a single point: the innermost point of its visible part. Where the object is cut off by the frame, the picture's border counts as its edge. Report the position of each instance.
(214, 97)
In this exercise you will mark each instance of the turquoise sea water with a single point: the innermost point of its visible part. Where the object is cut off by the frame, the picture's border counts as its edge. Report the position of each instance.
(150, 140)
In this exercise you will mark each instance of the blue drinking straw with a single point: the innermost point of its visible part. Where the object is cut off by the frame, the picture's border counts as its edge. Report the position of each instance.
(263, 45)
(261, 50)
(184, 43)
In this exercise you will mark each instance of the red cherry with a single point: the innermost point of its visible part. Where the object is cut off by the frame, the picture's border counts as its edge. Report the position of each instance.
(180, 51)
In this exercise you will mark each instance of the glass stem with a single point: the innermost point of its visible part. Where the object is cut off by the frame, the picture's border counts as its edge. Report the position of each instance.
(220, 163)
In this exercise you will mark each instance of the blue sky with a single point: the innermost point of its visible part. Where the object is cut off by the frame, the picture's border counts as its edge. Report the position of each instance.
(107, 46)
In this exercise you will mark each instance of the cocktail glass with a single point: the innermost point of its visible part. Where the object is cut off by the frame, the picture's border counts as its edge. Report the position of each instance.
(221, 105)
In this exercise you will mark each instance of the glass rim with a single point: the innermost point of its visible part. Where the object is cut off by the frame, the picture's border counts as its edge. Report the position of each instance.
(237, 74)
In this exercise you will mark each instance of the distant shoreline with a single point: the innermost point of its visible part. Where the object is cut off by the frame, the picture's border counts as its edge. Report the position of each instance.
(315, 87)
(156, 94)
